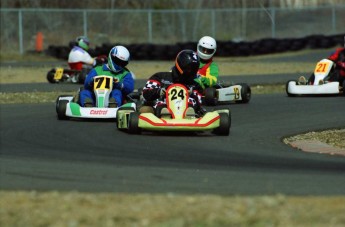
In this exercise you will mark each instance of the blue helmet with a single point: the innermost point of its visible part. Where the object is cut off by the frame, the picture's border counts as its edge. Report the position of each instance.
(118, 58)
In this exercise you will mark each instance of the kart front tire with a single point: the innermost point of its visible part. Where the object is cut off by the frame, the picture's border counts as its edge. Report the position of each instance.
(82, 76)
(133, 125)
(50, 76)
(211, 98)
(224, 125)
(246, 93)
(61, 109)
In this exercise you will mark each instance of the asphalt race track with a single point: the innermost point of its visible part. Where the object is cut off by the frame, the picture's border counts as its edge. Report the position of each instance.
(39, 152)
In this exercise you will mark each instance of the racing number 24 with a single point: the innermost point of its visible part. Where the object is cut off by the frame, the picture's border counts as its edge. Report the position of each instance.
(175, 94)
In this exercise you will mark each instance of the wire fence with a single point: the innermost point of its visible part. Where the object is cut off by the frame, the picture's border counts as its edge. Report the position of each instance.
(19, 27)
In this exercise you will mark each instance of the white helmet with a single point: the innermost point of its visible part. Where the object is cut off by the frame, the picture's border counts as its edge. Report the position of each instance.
(207, 47)
(118, 58)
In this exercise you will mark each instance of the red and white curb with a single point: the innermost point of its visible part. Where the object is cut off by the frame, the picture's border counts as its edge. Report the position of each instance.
(316, 146)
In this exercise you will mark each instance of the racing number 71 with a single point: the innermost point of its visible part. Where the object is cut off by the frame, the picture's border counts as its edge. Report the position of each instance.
(102, 83)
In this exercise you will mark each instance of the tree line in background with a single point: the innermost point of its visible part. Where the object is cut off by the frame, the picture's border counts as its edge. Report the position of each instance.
(164, 4)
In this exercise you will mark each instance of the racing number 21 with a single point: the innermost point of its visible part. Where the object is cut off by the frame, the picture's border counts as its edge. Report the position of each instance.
(102, 83)
(321, 67)
(176, 94)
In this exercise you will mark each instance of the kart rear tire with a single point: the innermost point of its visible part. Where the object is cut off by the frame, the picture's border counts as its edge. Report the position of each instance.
(61, 109)
(224, 125)
(82, 76)
(211, 98)
(287, 88)
(133, 124)
(50, 76)
(246, 93)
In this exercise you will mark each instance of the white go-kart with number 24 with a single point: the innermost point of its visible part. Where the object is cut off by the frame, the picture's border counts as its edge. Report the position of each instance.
(68, 106)
(319, 85)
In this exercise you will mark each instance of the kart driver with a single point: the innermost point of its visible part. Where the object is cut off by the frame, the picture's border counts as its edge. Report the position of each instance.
(208, 69)
(338, 57)
(183, 72)
(79, 56)
(338, 74)
(118, 59)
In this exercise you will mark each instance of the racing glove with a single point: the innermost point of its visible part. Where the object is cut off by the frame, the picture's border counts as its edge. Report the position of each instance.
(100, 60)
(117, 84)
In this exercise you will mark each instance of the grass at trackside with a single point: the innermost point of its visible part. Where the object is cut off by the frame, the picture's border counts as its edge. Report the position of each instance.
(50, 97)
(162, 210)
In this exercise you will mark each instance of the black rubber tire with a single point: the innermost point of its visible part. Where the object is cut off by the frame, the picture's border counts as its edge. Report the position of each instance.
(344, 88)
(61, 109)
(224, 126)
(133, 126)
(287, 86)
(246, 93)
(50, 76)
(82, 76)
(211, 98)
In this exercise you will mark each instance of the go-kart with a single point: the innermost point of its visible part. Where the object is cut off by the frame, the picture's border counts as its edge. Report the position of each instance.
(61, 75)
(225, 93)
(174, 116)
(318, 83)
(68, 106)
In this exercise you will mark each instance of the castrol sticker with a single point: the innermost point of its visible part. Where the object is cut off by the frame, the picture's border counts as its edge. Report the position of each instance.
(98, 112)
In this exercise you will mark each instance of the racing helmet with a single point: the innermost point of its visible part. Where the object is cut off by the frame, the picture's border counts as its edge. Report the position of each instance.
(206, 47)
(187, 63)
(118, 58)
(83, 42)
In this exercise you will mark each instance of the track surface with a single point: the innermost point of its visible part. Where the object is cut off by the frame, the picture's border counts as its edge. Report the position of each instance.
(42, 153)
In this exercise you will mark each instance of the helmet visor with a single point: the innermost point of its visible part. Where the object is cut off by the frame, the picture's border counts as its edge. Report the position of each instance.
(205, 50)
(118, 64)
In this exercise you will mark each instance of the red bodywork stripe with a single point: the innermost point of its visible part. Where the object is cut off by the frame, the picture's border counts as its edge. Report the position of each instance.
(164, 123)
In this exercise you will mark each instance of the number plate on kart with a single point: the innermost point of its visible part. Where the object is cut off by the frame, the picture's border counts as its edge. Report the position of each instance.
(58, 73)
(323, 67)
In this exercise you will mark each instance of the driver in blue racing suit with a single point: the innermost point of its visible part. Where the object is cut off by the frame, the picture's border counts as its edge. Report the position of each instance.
(183, 72)
(116, 67)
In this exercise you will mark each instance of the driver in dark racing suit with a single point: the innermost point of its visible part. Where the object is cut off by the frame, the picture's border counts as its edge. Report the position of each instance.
(183, 72)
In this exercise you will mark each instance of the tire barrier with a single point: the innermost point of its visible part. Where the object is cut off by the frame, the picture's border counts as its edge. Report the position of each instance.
(147, 51)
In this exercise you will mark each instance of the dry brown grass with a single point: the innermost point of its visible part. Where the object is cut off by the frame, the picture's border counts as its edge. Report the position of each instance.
(85, 209)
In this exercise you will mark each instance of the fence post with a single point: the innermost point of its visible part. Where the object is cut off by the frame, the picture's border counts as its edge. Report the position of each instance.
(85, 22)
(20, 28)
(149, 21)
